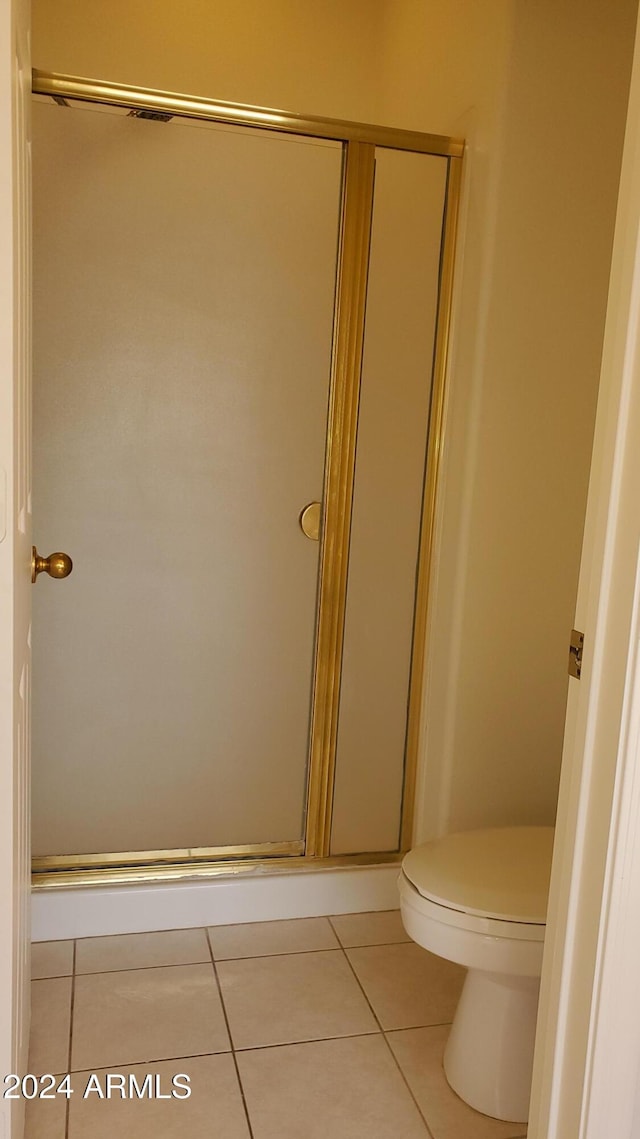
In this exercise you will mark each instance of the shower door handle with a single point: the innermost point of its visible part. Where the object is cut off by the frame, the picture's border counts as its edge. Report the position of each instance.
(56, 565)
(310, 521)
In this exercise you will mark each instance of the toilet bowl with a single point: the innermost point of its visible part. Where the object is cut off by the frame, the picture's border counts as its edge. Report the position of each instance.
(479, 898)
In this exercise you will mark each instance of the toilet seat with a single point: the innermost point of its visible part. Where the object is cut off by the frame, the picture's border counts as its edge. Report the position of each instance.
(474, 923)
(499, 874)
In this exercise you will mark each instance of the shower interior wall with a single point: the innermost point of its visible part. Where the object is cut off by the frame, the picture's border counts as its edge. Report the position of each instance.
(540, 93)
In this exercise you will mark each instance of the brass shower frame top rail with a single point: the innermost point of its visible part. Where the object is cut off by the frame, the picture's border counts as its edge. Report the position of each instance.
(143, 98)
(359, 141)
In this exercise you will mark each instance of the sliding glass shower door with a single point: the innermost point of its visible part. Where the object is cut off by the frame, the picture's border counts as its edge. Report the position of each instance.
(241, 327)
(185, 279)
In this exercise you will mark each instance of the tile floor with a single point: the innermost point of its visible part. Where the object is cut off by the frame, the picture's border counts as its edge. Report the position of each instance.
(317, 1028)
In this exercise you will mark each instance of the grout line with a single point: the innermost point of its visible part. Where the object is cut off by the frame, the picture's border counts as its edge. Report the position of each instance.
(364, 913)
(310, 1040)
(300, 952)
(71, 1010)
(406, 1082)
(54, 977)
(335, 932)
(147, 1061)
(142, 968)
(391, 1052)
(226, 1020)
(284, 953)
(362, 990)
(280, 953)
(420, 1028)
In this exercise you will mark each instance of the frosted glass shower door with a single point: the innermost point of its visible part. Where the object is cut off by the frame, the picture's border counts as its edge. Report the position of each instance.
(185, 277)
(388, 501)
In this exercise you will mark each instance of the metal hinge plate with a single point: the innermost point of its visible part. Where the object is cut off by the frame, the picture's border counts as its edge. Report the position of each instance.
(575, 653)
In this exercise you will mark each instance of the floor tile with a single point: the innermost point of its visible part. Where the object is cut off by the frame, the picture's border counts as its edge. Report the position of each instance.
(46, 1118)
(51, 959)
(214, 1110)
(419, 1054)
(146, 1014)
(263, 938)
(141, 950)
(407, 986)
(302, 996)
(383, 928)
(342, 1089)
(50, 1024)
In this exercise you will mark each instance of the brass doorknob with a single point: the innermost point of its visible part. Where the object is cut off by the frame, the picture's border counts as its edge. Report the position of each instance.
(56, 565)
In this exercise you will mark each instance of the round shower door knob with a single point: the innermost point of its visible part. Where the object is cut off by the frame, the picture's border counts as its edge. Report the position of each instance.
(56, 565)
(310, 521)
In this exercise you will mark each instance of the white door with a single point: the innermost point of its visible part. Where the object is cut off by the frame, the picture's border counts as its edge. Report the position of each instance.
(15, 542)
(588, 1048)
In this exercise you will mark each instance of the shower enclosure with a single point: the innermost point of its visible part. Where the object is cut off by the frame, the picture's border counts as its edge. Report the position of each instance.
(240, 337)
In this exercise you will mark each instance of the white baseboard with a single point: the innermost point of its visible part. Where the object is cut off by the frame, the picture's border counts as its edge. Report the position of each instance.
(93, 911)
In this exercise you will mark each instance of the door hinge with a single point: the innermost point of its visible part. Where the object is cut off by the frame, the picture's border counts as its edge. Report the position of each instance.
(575, 653)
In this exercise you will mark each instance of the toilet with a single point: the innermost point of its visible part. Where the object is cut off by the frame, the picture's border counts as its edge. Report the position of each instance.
(479, 898)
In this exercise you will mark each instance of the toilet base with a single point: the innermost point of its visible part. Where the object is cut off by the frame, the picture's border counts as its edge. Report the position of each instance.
(488, 1059)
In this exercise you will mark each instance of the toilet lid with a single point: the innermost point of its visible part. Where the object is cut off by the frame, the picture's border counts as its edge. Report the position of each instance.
(500, 873)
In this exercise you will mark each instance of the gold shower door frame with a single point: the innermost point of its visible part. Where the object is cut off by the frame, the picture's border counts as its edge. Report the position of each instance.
(359, 143)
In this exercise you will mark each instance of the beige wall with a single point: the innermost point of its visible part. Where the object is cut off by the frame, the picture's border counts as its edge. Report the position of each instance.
(301, 56)
(442, 63)
(524, 387)
(540, 91)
